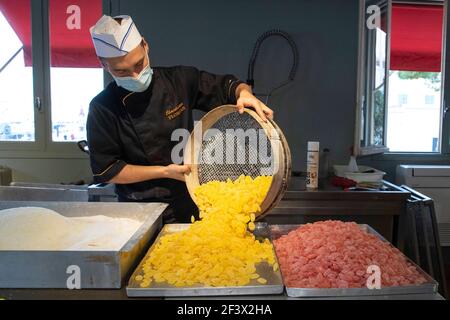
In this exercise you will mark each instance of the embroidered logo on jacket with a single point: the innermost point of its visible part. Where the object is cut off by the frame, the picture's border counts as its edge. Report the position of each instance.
(176, 111)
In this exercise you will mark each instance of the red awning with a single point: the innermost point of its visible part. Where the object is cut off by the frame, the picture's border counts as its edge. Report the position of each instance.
(17, 13)
(416, 37)
(70, 48)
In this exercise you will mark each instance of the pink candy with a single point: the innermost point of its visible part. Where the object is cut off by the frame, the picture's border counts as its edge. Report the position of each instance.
(335, 254)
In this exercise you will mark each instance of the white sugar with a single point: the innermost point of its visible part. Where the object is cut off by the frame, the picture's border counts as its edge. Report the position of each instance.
(34, 228)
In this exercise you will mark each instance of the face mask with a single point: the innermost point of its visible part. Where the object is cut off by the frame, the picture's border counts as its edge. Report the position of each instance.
(138, 84)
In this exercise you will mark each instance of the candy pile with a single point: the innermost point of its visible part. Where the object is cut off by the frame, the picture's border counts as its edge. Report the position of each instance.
(216, 250)
(334, 254)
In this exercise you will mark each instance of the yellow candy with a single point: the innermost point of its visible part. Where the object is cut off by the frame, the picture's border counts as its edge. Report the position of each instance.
(262, 280)
(138, 278)
(216, 250)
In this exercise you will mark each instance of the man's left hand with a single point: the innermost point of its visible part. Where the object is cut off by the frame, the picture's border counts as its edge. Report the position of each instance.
(247, 99)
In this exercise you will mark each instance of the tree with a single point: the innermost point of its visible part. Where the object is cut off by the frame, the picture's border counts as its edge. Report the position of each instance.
(434, 78)
(378, 117)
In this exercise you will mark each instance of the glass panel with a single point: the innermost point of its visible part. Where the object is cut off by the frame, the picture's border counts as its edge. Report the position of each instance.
(16, 72)
(373, 108)
(76, 75)
(379, 96)
(414, 106)
(414, 111)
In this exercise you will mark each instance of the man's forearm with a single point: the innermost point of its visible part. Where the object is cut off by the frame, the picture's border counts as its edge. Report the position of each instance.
(133, 173)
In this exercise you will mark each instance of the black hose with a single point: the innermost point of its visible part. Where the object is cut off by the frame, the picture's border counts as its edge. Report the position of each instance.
(259, 41)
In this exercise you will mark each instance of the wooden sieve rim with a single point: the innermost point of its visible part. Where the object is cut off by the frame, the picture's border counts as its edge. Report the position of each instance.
(278, 145)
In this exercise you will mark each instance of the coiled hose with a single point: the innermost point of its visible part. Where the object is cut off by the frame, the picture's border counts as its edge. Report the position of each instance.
(259, 41)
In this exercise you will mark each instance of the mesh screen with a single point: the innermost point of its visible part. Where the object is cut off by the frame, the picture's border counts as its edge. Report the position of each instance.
(235, 145)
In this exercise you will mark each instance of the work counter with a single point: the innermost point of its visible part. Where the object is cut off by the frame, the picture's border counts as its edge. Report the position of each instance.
(120, 294)
(383, 210)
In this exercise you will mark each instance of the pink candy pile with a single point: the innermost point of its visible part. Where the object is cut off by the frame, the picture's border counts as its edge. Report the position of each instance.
(335, 254)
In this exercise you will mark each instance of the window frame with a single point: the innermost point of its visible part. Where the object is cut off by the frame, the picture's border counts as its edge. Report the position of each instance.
(44, 146)
(445, 116)
(383, 153)
(38, 80)
(365, 78)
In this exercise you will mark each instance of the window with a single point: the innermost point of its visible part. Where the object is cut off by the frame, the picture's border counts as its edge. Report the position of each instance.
(405, 112)
(76, 75)
(64, 70)
(372, 77)
(16, 76)
(416, 50)
(402, 99)
(429, 99)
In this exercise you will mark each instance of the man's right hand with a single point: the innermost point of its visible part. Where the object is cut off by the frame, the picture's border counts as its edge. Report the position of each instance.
(176, 171)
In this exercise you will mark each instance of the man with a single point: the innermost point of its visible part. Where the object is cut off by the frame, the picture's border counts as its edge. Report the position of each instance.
(130, 123)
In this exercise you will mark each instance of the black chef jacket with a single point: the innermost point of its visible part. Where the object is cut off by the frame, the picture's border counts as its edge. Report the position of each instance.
(126, 127)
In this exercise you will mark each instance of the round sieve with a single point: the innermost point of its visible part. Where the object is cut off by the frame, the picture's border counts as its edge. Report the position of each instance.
(225, 144)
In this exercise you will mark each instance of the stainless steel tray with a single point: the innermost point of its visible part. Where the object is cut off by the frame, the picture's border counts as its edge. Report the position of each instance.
(274, 283)
(98, 269)
(431, 286)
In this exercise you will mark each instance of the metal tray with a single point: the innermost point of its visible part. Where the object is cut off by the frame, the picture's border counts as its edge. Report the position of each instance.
(431, 286)
(274, 283)
(98, 269)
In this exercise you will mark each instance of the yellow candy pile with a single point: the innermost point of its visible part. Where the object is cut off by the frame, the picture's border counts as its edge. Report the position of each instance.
(216, 250)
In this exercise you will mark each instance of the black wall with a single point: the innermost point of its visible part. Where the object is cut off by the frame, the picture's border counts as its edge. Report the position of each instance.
(218, 36)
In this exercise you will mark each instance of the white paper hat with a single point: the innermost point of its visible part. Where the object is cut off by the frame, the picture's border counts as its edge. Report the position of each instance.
(114, 39)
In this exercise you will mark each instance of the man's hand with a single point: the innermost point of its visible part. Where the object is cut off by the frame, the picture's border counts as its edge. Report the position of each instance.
(176, 171)
(247, 99)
